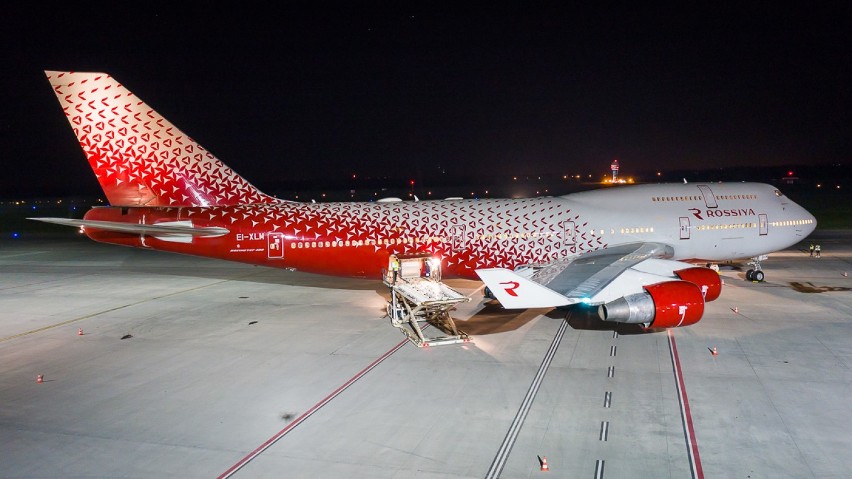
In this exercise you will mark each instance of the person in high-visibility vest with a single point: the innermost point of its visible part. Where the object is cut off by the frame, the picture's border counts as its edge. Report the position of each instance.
(811, 248)
(817, 250)
(395, 268)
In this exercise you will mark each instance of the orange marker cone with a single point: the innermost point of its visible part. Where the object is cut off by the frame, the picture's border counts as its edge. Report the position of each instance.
(544, 466)
(80, 332)
(40, 378)
(714, 352)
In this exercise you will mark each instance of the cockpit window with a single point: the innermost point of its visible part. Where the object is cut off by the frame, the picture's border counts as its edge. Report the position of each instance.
(778, 194)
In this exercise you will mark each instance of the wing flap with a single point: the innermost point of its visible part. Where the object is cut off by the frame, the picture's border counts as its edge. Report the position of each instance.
(583, 277)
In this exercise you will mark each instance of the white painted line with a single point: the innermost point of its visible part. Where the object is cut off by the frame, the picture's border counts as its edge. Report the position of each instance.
(506, 447)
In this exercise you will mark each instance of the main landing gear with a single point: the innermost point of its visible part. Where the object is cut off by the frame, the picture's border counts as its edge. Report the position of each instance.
(756, 274)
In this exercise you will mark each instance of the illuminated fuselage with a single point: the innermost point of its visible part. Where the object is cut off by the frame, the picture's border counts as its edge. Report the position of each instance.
(707, 222)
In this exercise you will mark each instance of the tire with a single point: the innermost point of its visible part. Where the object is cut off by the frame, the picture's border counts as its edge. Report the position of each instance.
(487, 293)
(758, 276)
(749, 275)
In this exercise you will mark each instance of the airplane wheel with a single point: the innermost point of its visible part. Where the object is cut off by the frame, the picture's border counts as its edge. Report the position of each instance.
(749, 275)
(758, 276)
(487, 293)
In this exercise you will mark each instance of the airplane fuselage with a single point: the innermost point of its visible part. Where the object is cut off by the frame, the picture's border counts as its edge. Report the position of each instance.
(707, 222)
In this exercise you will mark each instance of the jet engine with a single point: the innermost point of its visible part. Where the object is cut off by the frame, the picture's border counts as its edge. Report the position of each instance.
(663, 305)
(707, 280)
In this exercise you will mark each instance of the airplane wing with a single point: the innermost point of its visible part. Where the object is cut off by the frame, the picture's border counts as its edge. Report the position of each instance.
(173, 228)
(592, 278)
(583, 278)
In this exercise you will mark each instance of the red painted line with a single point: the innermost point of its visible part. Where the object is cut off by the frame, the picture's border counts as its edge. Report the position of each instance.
(686, 415)
(316, 407)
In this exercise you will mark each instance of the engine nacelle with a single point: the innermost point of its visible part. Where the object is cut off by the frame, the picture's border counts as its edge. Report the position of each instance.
(707, 280)
(664, 305)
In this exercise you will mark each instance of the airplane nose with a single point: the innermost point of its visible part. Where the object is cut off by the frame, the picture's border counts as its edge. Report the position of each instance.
(811, 223)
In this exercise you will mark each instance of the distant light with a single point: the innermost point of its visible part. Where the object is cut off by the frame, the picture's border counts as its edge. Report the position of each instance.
(819, 185)
(411, 182)
(34, 207)
(659, 174)
(15, 235)
(586, 300)
(789, 173)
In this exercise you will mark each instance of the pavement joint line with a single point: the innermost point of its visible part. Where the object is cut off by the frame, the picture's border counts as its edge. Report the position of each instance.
(515, 428)
(15, 255)
(316, 407)
(92, 315)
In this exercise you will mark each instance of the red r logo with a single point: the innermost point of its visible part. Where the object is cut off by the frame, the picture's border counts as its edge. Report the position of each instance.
(696, 212)
(511, 289)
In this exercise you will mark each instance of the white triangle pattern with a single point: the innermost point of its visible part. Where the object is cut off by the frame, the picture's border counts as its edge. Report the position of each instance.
(141, 159)
(426, 226)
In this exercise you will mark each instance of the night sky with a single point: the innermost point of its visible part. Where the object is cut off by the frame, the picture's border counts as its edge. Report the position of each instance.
(319, 92)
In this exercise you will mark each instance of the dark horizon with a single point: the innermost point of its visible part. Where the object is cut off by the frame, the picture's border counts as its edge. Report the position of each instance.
(794, 179)
(442, 95)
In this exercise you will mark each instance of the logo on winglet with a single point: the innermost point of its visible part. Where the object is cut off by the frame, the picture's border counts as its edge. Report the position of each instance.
(510, 290)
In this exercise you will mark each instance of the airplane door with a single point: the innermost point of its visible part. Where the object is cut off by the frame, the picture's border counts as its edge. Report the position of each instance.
(684, 227)
(709, 197)
(275, 245)
(457, 238)
(569, 237)
(763, 224)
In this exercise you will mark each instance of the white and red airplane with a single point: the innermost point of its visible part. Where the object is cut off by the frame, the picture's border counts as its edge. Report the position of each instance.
(631, 250)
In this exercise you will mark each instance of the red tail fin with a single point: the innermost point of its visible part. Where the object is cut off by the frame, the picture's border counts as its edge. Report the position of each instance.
(140, 158)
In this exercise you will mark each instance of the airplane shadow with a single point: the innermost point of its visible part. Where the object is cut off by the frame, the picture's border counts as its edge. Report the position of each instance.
(493, 319)
(585, 318)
